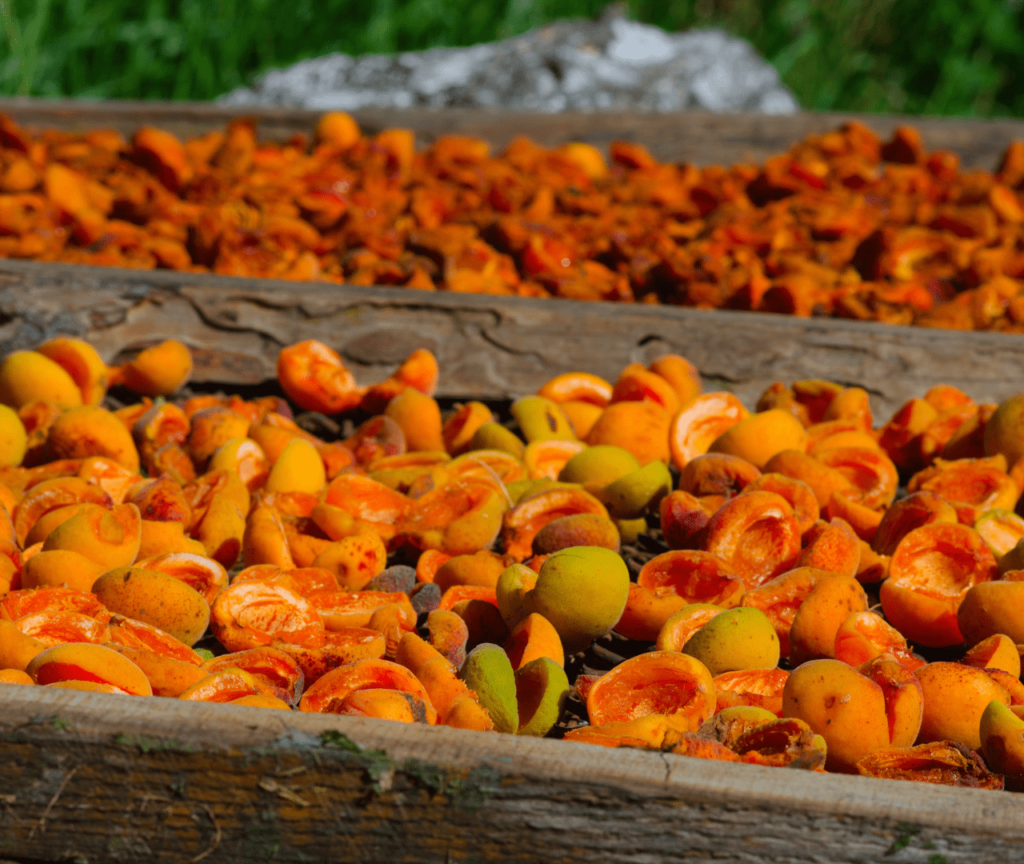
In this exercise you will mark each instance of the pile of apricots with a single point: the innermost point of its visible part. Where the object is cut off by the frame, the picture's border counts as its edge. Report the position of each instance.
(842, 224)
(637, 563)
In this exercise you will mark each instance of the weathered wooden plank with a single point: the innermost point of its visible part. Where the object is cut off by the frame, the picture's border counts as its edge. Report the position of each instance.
(698, 137)
(95, 777)
(488, 347)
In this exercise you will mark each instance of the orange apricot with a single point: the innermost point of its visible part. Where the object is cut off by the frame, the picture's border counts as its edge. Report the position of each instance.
(523, 522)
(531, 638)
(222, 687)
(781, 597)
(929, 576)
(91, 431)
(683, 518)
(681, 374)
(166, 675)
(253, 614)
(339, 648)
(354, 560)
(798, 494)
(155, 598)
(481, 568)
(761, 436)
(812, 635)
(202, 574)
(642, 428)
(904, 698)
(717, 474)
(758, 688)
(328, 694)
(158, 371)
(548, 458)
(579, 529)
(64, 626)
(313, 376)
(582, 416)
(28, 376)
(91, 663)
(61, 567)
(458, 430)
(637, 384)
(697, 577)
(996, 652)
(108, 538)
(832, 546)
(660, 682)
(995, 607)
(419, 418)
(843, 706)
(682, 624)
(51, 495)
(971, 486)
(577, 387)
(343, 610)
(700, 423)
(955, 697)
(917, 509)
(15, 676)
(756, 534)
(822, 480)
(244, 457)
(16, 648)
(79, 359)
(461, 517)
(279, 673)
(863, 636)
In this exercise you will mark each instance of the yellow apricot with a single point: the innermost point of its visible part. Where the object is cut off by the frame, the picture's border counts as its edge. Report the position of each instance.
(108, 538)
(354, 560)
(155, 598)
(96, 664)
(13, 438)
(245, 457)
(222, 530)
(759, 437)
(337, 129)
(17, 649)
(419, 418)
(160, 370)
(79, 359)
(61, 567)
(92, 431)
(586, 157)
(28, 376)
(735, 639)
(264, 541)
(161, 538)
(299, 468)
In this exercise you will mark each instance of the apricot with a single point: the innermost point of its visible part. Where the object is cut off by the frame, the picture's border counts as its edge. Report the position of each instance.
(534, 637)
(61, 567)
(13, 437)
(108, 538)
(419, 418)
(244, 457)
(682, 624)
(1002, 742)
(481, 568)
(660, 682)
(486, 464)
(955, 697)
(756, 534)
(90, 663)
(637, 384)
(582, 416)
(494, 436)
(1002, 530)
(337, 129)
(681, 374)
(761, 436)
(344, 610)
(16, 648)
(204, 575)
(458, 430)
(698, 577)
(79, 359)
(843, 706)
(522, 523)
(155, 598)
(751, 688)
(449, 635)
(904, 698)
(834, 547)
(596, 467)
(167, 676)
(15, 676)
(488, 672)
(971, 486)
(541, 419)
(253, 614)
(798, 494)
(158, 371)
(863, 636)
(579, 529)
(56, 627)
(461, 517)
(638, 427)
(917, 509)
(823, 481)
(314, 378)
(633, 494)
(546, 458)
(832, 600)
(1004, 432)
(577, 387)
(541, 689)
(989, 608)
(735, 639)
(28, 376)
(91, 431)
(700, 422)
(995, 652)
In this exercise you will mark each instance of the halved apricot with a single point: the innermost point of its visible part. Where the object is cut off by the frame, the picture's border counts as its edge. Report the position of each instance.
(254, 614)
(327, 694)
(90, 663)
(313, 376)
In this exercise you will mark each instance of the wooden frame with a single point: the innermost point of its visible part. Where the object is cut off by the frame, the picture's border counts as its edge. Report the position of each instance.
(87, 777)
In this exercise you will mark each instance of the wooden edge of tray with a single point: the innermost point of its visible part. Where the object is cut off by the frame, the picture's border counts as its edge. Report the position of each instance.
(92, 776)
(694, 136)
(487, 347)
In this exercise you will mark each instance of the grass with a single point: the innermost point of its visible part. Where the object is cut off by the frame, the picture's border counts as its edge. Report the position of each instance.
(914, 56)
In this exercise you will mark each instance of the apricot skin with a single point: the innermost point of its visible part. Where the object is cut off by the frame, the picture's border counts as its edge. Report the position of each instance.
(844, 707)
(155, 598)
(990, 608)
(92, 431)
(955, 697)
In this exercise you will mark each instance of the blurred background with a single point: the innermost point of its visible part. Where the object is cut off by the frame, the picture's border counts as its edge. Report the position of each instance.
(953, 57)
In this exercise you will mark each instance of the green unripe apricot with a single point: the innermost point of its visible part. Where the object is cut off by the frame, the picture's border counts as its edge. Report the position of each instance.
(582, 591)
(494, 436)
(541, 419)
(634, 494)
(735, 639)
(599, 465)
(489, 672)
(541, 688)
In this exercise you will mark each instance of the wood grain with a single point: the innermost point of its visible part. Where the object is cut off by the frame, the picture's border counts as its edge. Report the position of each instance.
(694, 136)
(487, 347)
(164, 780)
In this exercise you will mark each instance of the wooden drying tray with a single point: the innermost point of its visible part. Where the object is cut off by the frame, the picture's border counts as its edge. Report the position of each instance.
(91, 777)
(487, 347)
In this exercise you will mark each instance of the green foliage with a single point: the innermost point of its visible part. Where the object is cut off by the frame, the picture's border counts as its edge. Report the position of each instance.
(915, 56)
